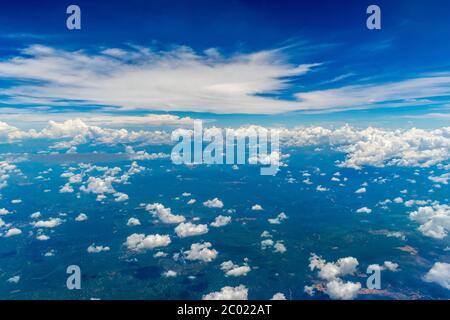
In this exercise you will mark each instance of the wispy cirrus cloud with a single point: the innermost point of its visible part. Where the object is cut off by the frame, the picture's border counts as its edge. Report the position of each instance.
(184, 80)
(139, 78)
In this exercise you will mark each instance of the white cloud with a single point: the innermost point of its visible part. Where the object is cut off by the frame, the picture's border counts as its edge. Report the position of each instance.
(434, 220)
(228, 293)
(361, 190)
(234, 270)
(367, 147)
(13, 232)
(4, 211)
(282, 216)
(42, 237)
(81, 217)
(14, 279)
(322, 189)
(51, 223)
(201, 251)
(398, 200)
(257, 207)
(278, 296)
(332, 270)
(141, 242)
(440, 274)
(189, 229)
(391, 266)
(35, 215)
(279, 247)
(185, 80)
(443, 179)
(97, 249)
(164, 214)
(214, 203)
(67, 188)
(338, 289)
(408, 91)
(221, 221)
(98, 185)
(120, 197)
(143, 155)
(133, 222)
(267, 243)
(364, 210)
(182, 80)
(160, 254)
(169, 274)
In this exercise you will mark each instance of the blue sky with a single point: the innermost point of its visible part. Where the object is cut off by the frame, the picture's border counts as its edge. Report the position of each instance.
(298, 61)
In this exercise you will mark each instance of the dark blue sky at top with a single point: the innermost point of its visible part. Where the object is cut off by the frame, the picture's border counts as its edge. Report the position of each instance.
(415, 35)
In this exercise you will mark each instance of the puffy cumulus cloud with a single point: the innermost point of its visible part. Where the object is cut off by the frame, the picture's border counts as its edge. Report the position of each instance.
(120, 197)
(6, 169)
(364, 210)
(4, 211)
(183, 80)
(279, 247)
(442, 179)
(12, 232)
(133, 222)
(338, 289)
(141, 242)
(213, 203)
(434, 220)
(42, 237)
(257, 207)
(99, 185)
(78, 132)
(376, 147)
(67, 188)
(97, 249)
(282, 216)
(36, 215)
(267, 243)
(391, 266)
(363, 147)
(387, 265)
(228, 293)
(201, 252)
(234, 270)
(189, 229)
(333, 270)
(164, 214)
(278, 296)
(274, 158)
(440, 274)
(361, 190)
(81, 217)
(221, 221)
(143, 155)
(169, 274)
(321, 189)
(101, 180)
(50, 223)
